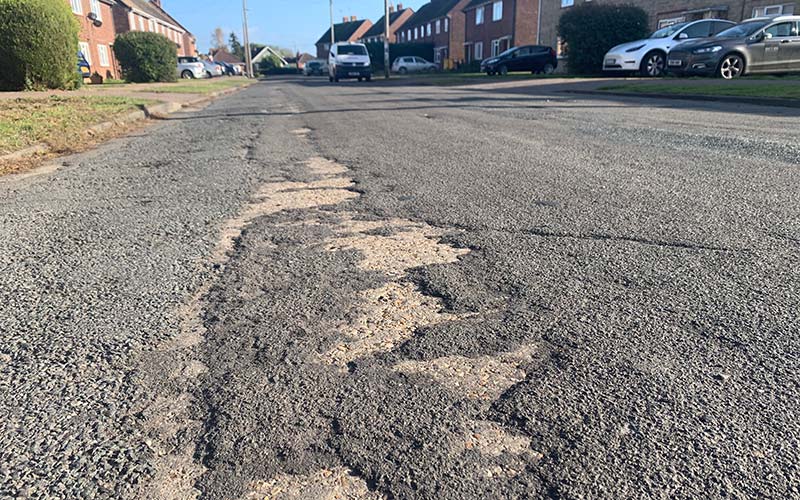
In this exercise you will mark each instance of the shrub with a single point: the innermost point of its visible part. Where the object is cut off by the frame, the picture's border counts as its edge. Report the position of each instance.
(375, 49)
(39, 45)
(590, 30)
(146, 57)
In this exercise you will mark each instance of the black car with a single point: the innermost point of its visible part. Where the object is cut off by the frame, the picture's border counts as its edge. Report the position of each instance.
(84, 68)
(227, 69)
(533, 58)
(761, 45)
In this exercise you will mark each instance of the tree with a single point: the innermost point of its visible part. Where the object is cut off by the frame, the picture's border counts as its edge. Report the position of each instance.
(39, 41)
(218, 39)
(237, 49)
(590, 30)
(146, 57)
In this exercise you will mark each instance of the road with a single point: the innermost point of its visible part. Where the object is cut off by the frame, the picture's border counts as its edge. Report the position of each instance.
(369, 291)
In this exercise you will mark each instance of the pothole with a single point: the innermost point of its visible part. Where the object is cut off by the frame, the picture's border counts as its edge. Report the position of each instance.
(483, 378)
(328, 484)
(301, 132)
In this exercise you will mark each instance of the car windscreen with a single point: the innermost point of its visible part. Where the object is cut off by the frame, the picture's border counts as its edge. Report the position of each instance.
(668, 31)
(742, 30)
(314, 64)
(352, 50)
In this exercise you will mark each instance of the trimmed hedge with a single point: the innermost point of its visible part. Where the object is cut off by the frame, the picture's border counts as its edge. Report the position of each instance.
(590, 30)
(375, 49)
(38, 45)
(146, 57)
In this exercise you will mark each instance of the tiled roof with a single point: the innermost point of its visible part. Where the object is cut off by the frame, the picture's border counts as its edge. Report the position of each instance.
(343, 31)
(430, 11)
(151, 10)
(377, 28)
(223, 55)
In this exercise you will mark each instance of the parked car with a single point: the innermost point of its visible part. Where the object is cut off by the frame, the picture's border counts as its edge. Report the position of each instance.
(533, 58)
(315, 67)
(191, 67)
(84, 68)
(212, 69)
(227, 69)
(649, 56)
(759, 45)
(349, 60)
(413, 64)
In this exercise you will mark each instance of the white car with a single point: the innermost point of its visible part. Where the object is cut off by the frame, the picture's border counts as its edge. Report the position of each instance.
(412, 64)
(649, 56)
(349, 60)
(191, 67)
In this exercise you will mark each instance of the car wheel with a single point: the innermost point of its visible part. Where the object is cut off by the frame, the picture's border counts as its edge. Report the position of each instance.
(187, 75)
(209, 75)
(732, 66)
(369, 78)
(403, 71)
(360, 79)
(653, 64)
(548, 69)
(330, 78)
(503, 70)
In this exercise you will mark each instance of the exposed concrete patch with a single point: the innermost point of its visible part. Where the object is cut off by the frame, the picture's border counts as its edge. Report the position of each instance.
(325, 167)
(484, 378)
(302, 132)
(385, 317)
(327, 484)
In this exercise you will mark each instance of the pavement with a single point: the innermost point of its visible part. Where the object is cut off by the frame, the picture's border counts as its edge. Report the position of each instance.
(356, 291)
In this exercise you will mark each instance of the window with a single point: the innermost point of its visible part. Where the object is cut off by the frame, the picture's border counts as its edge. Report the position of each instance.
(95, 8)
(479, 15)
(151, 25)
(782, 29)
(85, 51)
(438, 26)
(495, 47)
(141, 23)
(102, 52)
(567, 3)
(416, 33)
(428, 33)
(773, 10)
(76, 6)
(478, 51)
(497, 11)
(698, 30)
(446, 24)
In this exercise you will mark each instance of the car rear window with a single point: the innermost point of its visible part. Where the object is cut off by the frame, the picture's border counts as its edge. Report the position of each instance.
(353, 50)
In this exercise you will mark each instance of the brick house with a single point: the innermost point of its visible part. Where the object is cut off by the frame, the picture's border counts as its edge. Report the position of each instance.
(144, 15)
(492, 26)
(397, 18)
(441, 23)
(96, 37)
(350, 29)
(666, 12)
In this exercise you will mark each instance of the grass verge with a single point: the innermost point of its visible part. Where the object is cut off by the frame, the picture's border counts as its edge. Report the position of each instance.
(447, 79)
(195, 86)
(788, 90)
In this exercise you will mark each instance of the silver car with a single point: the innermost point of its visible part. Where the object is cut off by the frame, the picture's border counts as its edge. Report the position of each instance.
(412, 64)
(190, 68)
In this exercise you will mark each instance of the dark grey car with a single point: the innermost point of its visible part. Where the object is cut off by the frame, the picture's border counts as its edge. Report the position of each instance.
(761, 45)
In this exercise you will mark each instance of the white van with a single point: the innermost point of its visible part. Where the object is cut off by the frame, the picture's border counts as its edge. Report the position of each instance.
(349, 60)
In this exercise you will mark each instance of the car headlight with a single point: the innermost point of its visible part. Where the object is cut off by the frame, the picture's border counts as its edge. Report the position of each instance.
(707, 50)
(634, 49)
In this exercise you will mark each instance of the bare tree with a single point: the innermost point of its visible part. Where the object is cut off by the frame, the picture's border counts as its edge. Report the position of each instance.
(218, 39)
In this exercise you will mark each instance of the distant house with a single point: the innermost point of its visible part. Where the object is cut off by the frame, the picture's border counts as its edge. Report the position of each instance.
(97, 33)
(144, 15)
(396, 21)
(222, 55)
(299, 60)
(349, 30)
(493, 26)
(263, 53)
(441, 23)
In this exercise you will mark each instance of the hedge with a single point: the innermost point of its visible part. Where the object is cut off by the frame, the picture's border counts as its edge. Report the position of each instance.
(375, 49)
(146, 57)
(38, 45)
(590, 30)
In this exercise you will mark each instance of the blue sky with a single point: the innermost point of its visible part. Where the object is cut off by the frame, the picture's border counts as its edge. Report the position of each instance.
(294, 24)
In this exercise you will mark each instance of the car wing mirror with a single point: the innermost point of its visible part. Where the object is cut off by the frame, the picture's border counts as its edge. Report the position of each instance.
(766, 36)
(683, 36)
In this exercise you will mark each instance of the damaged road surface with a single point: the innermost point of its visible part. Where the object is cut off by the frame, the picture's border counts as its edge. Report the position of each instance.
(363, 292)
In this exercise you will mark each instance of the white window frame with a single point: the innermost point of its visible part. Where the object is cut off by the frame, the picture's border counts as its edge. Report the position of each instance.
(446, 24)
(102, 53)
(77, 6)
(151, 25)
(141, 24)
(416, 33)
(479, 15)
(567, 3)
(408, 34)
(84, 46)
(428, 30)
(777, 10)
(497, 10)
(95, 7)
(477, 51)
(495, 47)
(438, 26)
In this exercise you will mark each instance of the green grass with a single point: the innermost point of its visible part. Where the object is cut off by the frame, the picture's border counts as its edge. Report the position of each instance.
(194, 86)
(446, 78)
(735, 89)
(56, 120)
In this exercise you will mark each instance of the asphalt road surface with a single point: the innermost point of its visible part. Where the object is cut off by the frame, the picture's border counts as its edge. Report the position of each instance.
(361, 291)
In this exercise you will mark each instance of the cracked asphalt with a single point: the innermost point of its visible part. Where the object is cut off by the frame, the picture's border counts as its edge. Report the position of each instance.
(363, 291)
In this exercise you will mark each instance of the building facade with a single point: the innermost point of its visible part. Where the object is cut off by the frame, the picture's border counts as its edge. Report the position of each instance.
(351, 29)
(144, 15)
(397, 18)
(493, 26)
(664, 13)
(96, 36)
(440, 23)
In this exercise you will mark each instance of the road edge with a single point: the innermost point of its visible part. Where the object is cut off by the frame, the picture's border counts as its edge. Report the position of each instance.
(756, 101)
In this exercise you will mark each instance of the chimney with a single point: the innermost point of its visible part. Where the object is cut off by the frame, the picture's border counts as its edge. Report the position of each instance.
(157, 3)
(352, 19)
(399, 7)
(391, 9)
(344, 19)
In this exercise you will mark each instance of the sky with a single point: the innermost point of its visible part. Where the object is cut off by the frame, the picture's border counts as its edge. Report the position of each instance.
(293, 24)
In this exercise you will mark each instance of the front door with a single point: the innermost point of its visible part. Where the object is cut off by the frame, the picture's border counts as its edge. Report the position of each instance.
(777, 46)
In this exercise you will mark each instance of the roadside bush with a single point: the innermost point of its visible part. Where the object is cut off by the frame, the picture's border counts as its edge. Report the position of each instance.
(146, 57)
(375, 49)
(38, 45)
(590, 30)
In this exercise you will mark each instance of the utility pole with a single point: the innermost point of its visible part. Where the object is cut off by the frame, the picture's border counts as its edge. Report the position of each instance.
(386, 38)
(248, 56)
(333, 37)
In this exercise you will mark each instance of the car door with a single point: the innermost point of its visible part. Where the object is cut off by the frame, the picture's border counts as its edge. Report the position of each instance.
(513, 63)
(701, 29)
(778, 41)
(524, 61)
(789, 52)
